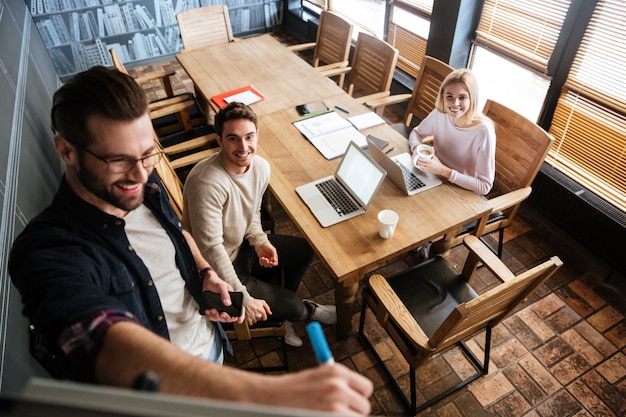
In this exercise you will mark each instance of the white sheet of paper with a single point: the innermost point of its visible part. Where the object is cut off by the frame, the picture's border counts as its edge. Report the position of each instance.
(365, 120)
(246, 97)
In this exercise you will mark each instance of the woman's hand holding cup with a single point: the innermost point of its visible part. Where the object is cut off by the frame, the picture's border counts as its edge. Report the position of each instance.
(422, 152)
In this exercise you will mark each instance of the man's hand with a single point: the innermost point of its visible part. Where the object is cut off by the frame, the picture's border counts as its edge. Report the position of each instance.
(257, 310)
(268, 257)
(211, 282)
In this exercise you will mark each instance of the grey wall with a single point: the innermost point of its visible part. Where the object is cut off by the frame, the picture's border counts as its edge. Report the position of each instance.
(29, 169)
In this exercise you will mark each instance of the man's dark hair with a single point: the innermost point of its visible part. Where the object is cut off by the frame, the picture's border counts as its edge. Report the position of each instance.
(233, 111)
(99, 91)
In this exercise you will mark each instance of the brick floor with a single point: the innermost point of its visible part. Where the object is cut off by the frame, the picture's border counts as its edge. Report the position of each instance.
(562, 353)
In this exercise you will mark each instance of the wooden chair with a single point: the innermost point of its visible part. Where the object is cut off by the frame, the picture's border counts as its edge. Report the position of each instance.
(371, 71)
(332, 44)
(173, 113)
(521, 147)
(270, 328)
(431, 307)
(204, 26)
(422, 100)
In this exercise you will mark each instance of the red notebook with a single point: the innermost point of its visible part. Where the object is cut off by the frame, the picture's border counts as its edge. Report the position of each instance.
(246, 95)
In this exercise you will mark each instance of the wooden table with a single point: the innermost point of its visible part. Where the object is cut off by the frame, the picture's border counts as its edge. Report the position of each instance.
(284, 78)
(353, 248)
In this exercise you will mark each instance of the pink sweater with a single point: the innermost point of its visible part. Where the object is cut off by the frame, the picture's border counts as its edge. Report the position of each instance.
(469, 152)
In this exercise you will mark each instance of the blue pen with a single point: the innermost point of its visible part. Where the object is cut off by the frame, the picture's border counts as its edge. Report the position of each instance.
(320, 345)
(343, 109)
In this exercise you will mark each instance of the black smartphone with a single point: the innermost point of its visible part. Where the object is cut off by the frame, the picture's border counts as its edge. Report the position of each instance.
(214, 300)
(313, 108)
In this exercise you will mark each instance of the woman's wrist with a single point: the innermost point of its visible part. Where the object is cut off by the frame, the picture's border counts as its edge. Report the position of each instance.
(204, 272)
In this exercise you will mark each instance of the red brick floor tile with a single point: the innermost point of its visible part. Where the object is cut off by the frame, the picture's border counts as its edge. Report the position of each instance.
(560, 404)
(605, 318)
(553, 352)
(587, 294)
(540, 374)
(534, 322)
(523, 332)
(614, 368)
(569, 368)
(605, 391)
(563, 319)
(597, 340)
(512, 405)
(582, 346)
(617, 335)
(508, 352)
(524, 384)
(589, 399)
(459, 363)
(491, 389)
(547, 305)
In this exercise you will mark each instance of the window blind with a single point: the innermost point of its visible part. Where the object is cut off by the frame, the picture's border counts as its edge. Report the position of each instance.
(411, 45)
(525, 30)
(589, 123)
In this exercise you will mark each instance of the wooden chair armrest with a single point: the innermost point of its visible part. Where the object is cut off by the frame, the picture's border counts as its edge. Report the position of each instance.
(157, 75)
(385, 101)
(480, 252)
(199, 142)
(334, 65)
(333, 70)
(194, 158)
(398, 311)
(171, 109)
(374, 96)
(505, 201)
(301, 46)
(167, 102)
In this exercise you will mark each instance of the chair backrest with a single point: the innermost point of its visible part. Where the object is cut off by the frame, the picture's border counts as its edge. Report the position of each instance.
(491, 307)
(426, 89)
(117, 62)
(334, 37)
(373, 65)
(204, 26)
(521, 147)
(170, 180)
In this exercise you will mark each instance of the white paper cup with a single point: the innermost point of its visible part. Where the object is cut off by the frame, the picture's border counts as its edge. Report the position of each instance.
(387, 222)
(424, 151)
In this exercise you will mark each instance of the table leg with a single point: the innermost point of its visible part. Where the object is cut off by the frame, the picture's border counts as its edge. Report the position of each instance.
(345, 298)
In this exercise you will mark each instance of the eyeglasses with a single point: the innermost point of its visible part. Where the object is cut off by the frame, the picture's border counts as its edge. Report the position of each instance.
(124, 165)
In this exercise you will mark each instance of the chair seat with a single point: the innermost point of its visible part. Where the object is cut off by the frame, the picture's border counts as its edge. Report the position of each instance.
(440, 290)
(270, 322)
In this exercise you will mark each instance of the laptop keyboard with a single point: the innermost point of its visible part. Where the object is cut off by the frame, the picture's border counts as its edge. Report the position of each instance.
(412, 181)
(337, 197)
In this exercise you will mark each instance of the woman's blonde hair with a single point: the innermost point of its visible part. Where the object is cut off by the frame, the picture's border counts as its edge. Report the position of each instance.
(467, 78)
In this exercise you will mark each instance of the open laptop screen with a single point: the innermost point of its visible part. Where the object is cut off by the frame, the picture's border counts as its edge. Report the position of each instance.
(360, 175)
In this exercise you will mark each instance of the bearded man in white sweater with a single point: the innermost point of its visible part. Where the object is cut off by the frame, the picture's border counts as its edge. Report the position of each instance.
(222, 200)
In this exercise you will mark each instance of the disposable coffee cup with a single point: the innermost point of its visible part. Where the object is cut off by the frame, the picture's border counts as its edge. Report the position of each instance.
(387, 222)
(424, 151)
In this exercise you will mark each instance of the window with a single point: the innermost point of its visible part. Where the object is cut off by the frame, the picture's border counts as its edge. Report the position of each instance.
(408, 29)
(513, 51)
(589, 124)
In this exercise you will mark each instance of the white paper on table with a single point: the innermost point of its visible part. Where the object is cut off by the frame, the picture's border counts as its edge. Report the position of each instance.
(365, 120)
(246, 97)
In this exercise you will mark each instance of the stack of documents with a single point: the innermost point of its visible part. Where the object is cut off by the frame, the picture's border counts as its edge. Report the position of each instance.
(330, 134)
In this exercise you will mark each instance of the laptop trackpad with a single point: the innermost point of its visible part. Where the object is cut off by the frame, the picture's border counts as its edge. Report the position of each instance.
(317, 203)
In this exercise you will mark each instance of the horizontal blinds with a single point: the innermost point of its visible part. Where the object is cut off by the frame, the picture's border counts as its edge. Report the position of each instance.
(589, 123)
(424, 6)
(411, 47)
(525, 30)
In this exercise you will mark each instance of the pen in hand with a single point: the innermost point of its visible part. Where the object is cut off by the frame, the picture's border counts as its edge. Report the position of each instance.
(320, 345)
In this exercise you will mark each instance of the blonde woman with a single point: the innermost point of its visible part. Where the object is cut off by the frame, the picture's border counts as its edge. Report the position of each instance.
(464, 139)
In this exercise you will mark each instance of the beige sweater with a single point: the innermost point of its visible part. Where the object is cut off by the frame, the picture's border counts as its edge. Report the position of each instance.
(221, 209)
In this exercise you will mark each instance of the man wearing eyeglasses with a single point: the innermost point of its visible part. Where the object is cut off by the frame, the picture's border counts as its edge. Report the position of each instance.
(111, 280)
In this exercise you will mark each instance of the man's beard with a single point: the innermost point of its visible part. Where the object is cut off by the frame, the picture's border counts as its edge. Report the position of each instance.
(106, 191)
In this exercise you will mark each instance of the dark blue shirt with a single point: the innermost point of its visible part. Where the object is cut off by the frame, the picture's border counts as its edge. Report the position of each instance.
(78, 275)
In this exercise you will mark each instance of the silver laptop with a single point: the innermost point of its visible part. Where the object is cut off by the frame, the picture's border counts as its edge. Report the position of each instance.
(346, 194)
(401, 171)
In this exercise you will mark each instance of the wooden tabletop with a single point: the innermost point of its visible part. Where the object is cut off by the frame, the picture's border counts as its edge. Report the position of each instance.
(284, 78)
